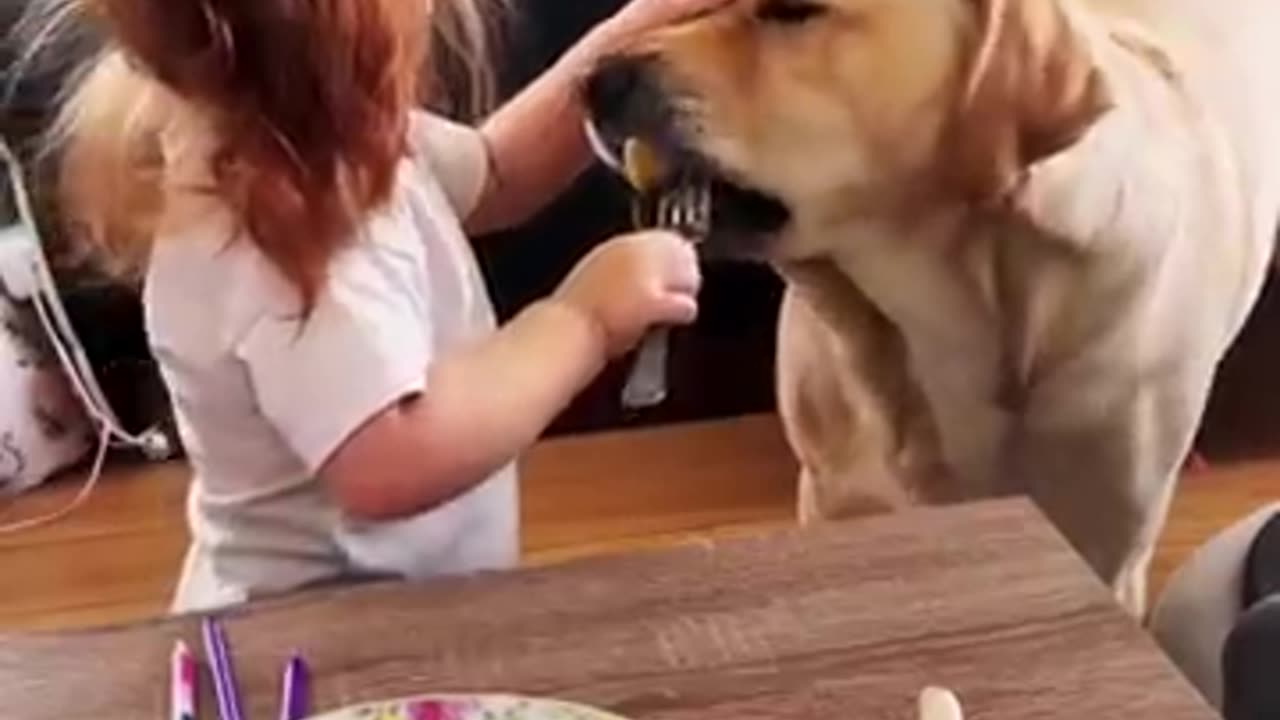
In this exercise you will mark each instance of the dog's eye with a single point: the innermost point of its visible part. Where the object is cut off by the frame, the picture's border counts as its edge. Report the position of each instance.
(789, 12)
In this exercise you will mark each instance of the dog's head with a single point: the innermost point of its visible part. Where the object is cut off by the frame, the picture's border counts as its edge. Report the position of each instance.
(807, 114)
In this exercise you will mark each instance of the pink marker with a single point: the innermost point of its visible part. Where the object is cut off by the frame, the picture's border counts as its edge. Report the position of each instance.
(182, 681)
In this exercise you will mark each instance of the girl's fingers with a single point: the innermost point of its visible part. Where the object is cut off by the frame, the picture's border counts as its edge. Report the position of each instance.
(677, 309)
(646, 15)
(684, 273)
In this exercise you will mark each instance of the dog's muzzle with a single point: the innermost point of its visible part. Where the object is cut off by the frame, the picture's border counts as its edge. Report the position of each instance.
(625, 100)
(628, 101)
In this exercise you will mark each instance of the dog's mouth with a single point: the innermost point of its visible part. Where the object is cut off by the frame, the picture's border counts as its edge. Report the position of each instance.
(739, 220)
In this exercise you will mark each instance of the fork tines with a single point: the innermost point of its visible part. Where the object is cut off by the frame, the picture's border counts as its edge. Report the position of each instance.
(686, 209)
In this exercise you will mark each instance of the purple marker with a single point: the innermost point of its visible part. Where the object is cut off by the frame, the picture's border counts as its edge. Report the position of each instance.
(294, 689)
(224, 679)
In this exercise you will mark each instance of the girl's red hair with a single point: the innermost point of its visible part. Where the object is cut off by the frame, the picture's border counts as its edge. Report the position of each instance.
(308, 100)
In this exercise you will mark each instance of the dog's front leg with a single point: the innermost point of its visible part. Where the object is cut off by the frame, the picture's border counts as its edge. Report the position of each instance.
(1101, 455)
(853, 415)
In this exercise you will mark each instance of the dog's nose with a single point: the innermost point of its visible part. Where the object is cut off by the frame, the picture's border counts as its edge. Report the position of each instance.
(613, 82)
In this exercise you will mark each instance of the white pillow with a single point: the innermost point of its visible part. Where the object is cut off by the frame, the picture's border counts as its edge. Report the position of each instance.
(43, 428)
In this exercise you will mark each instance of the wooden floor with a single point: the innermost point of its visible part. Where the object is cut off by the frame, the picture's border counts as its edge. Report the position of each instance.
(116, 560)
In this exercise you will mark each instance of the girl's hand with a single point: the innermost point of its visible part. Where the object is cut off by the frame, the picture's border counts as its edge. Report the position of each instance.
(536, 142)
(632, 283)
(640, 17)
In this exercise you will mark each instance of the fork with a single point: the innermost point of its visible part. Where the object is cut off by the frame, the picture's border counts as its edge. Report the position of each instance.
(686, 210)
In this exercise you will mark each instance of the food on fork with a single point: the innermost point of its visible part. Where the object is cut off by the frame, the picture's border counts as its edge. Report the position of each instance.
(641, 164)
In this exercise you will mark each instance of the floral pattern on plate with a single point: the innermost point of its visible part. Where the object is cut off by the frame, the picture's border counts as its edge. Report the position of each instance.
(467, 707)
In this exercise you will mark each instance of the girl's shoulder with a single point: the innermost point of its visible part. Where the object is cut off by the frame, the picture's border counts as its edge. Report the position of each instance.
(211, 258)
(454, 156)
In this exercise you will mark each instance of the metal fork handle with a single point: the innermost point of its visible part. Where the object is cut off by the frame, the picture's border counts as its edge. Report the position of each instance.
(647, 385)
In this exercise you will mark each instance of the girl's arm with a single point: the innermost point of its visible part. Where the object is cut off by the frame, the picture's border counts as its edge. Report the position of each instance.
(486, 404)
(536, 141)
(482, 407)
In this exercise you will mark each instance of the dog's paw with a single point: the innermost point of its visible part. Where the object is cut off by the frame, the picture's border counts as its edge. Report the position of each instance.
(939, 704)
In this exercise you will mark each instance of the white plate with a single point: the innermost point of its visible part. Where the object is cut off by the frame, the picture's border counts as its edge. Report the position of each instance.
(935, 704)
(468, 707)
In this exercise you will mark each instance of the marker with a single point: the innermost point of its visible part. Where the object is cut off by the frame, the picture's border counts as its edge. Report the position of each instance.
(294, 689)
(182, 683)
(224, 679)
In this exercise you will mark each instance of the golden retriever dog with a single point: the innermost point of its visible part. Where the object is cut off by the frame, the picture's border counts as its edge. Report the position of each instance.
(1019, 235)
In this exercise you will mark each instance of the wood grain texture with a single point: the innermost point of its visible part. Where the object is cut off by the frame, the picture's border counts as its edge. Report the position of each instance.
(116, 560)
(848, 621)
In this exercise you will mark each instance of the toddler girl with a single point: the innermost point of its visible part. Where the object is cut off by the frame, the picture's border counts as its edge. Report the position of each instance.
(348, 405)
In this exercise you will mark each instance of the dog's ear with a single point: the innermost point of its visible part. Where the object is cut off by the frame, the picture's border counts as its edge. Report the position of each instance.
(1033, 88)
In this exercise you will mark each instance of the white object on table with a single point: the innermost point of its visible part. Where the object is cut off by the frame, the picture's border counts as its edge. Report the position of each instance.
(940, 704)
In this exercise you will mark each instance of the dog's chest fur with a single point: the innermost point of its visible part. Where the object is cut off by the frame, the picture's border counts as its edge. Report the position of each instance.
(984, 308)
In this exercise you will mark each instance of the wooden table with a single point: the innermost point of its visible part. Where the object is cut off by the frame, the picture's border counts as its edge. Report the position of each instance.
(846, 622)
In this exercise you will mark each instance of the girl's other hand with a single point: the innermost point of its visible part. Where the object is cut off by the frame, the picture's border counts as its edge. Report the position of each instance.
(639, 17)
(632, 283)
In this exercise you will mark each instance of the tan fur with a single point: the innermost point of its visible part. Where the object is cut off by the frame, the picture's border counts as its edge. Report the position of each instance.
(1032, 89)
(1025, 232)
